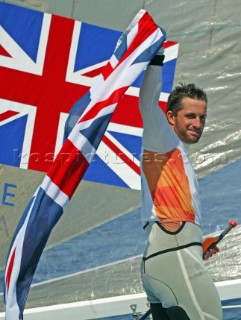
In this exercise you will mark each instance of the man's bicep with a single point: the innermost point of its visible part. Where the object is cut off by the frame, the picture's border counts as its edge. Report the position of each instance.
(151, 87)
(157, 135)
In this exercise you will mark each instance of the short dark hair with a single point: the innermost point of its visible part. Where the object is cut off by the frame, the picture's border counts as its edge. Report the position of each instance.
(184, 90)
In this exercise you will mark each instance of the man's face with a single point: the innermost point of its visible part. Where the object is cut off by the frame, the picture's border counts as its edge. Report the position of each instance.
(189, 121)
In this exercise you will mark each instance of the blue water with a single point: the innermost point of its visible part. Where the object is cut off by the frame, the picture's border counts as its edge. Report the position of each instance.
(221, 197)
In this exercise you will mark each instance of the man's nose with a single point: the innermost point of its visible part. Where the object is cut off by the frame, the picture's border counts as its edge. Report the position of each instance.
(197, 122)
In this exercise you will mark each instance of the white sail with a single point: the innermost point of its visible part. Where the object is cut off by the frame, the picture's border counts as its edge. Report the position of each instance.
(95, 251)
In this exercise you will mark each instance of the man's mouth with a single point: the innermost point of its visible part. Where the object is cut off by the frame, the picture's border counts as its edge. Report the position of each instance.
(195, 133)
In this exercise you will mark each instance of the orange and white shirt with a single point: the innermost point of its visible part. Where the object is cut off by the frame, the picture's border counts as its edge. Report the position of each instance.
(170, 191)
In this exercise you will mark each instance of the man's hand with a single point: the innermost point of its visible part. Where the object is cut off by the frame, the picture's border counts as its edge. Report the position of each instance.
(210, 244)
(209, 247)
(210, 252)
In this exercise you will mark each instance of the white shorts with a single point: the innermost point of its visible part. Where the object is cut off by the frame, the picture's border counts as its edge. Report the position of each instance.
(173, 272)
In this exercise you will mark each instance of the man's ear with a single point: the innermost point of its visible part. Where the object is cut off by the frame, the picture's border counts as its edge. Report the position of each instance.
(170, 118)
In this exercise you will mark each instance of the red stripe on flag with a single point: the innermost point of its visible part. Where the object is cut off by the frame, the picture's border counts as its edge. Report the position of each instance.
(10, 269)
(68, 168)
(146, 27)
(4, 52)
(94, 73)
(163, 105)
(121, 155)
(113, 98)
(107, 70)
(7, 114)
(168, 44)
(128, 112)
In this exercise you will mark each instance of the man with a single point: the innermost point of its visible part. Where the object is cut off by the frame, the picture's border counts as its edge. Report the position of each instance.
(174, 277)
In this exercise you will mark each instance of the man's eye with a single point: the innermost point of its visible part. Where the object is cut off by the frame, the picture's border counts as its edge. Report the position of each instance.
(190, 116)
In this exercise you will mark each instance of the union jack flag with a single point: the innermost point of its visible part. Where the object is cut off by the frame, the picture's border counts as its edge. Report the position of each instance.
(47, 63)
(42, 74)
(133, 52)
